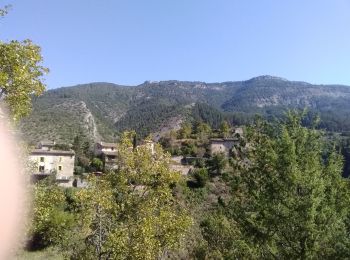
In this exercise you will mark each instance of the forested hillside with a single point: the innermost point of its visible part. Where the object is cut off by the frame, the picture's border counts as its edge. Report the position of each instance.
(102, 110)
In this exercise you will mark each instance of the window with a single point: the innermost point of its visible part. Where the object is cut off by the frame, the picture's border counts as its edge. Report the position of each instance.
(60, 167)
(41, 168)
(42, 159)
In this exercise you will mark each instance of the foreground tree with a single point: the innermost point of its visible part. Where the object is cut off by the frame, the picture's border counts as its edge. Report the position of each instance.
(132, 214)
(290, 201)
(21, 74)
(50, 223)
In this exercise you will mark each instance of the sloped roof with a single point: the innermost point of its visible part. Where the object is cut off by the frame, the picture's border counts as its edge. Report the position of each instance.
(52, 152)
(47, 143)
(110, 153)
(110, 145)
(223, 139)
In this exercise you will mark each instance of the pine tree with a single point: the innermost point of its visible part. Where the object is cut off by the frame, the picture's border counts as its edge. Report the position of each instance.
(290, 201)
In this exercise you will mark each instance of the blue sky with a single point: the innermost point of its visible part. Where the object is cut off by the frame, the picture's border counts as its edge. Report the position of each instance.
(130, 41)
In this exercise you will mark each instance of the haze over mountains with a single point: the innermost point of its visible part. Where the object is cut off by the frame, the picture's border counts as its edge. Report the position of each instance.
(101, 110)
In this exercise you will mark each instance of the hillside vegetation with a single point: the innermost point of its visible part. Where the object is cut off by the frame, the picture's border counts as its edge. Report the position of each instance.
(103, 110)
(278, 194)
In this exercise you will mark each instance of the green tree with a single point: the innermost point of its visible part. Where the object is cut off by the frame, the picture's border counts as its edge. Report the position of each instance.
(97, 217)
(168, 142)
(223, 238)
(217, 164)
(97, 164)
(185, 130)
(21, 75)
(225, 129)
(290, 201)
(188, 148)
(202, 128)
(132, 214)
(201, 177)
(81, 146)
(50, 223)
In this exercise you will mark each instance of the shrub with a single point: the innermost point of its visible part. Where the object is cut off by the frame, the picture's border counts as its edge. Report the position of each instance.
(201, 177)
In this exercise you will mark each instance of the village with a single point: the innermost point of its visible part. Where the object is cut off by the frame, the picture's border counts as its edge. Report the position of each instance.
(163, 130)
(187, 151)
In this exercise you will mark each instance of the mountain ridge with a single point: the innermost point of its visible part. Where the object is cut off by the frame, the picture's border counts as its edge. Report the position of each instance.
(58, 113)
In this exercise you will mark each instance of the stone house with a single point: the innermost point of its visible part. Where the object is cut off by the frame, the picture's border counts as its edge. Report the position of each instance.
(176, 165)
(238, 132)
(107, 152)
(102, 147)
(223, 145)
(48, 161)
(46, 145)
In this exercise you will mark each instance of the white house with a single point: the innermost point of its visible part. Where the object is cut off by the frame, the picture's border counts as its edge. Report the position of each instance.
(48, 161)
(102, 147)
(108, 153)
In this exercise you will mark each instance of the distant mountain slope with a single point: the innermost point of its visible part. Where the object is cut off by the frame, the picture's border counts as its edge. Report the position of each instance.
(90, 109)
(267, 91)
(100, 110)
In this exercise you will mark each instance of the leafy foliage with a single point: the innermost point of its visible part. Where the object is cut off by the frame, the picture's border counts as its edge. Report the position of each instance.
(97, 164)
(185, 130)
(82, 147)
(281, 196)
(201, 177)
(225, 129)
(223, 238)
(50, 222)
(21, 75)
(290, 200)
(217, 164)
(128, 214)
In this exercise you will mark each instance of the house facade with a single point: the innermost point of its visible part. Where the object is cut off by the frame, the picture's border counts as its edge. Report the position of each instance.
(46, 145)
(47, 161)
(223, 145)
(102, 147)
(108, 153)
(238, 132)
